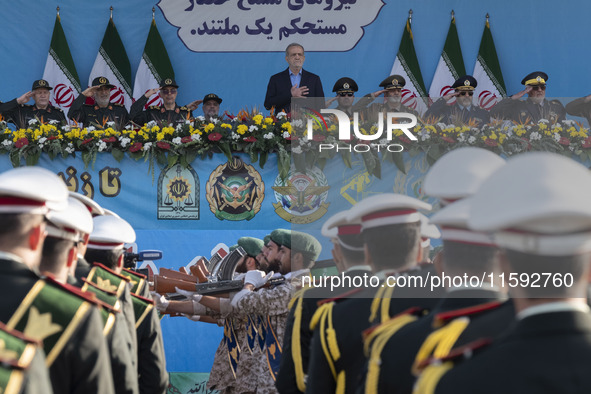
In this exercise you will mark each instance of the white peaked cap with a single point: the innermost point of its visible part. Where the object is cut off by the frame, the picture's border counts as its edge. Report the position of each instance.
(110, 232)
(428, 230)
(386, 209)
(538, 203)
(94, 208)
(31, 190)
(459, 173)
(68, 223)
(453, 221)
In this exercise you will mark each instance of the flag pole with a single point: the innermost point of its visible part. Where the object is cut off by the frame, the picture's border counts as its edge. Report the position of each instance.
(410, 16)
(58, 10)
(111, 12)
(153, 12)
(453, 15)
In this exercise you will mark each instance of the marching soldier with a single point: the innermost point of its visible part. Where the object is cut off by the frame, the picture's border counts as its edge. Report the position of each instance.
(102, 111)
(463, 111)
(65, 319)
(20, 113)
(540, 222)
(535, 107)
(167, 113)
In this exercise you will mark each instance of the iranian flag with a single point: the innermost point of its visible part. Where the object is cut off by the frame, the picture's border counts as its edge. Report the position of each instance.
(487, 71)
(154, 66)
(60, 70)
(414, 94)
(450, 66)
(112, 62)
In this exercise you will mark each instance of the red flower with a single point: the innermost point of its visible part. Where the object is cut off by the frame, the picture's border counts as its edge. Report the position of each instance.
(53, 137)
(21, 142)
(86, 141)
(448, 139)
(135, 147)
(292, 138)
(110, 139)
(564, 141)
(490, 142)
(214, 137)
(318, 137)
(186, 139)
(587, 143)
(250, 139)
(404, 139)
(163, 145)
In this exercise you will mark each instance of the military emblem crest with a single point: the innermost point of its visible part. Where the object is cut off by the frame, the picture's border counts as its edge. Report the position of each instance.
(178, 194)
(235, 191)
(301, 197)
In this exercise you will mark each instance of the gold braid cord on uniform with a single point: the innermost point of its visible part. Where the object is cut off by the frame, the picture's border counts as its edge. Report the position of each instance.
(296, 346)
(374, 345)
(320, 317)
(430, 377)
(381, 304)
(440, 342)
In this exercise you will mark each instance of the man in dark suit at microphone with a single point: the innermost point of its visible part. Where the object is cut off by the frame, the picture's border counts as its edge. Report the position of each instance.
(294, 82)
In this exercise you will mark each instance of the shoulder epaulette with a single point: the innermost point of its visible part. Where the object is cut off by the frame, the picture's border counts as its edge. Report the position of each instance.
(183, 108)
(106, 293)
(460, 353)
(444, 317)
(89, 283)
(117, 104)
(134, 273)
(72, 290)
(154, 107)
(340, 297)
(125, 278)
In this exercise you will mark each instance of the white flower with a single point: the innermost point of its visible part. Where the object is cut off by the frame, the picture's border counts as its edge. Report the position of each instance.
(268, 136)
(296, 150)
(147, 146)
(53, 122)
(556, 137)
(69, 148)
(201, 118)
(297, 123)
(67, 128)
(102, 145)
(187, 122)
(195, 137)
(471, 139)
(176, 140)
(90, 128)
(569, 122)
(253, 128)
(235, 136)
(151, 123)
(572, 148)
(7, 142)
(124, 141)
(286, 134)
(128, 127)
(281, 115)
(462, 137)
(32, 121)
(42, 140)
(441, 125)
(535, 136)
(110, 124)
(543, 121)
(215, 120)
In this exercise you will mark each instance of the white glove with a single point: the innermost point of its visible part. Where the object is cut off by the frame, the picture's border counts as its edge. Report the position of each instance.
(199, 309)
(192, 317)
(160, 301)
(239, 276)
(257, 278)
(189, 294)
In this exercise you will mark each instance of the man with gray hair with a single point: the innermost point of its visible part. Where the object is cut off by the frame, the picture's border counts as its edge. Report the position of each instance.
(293, 82)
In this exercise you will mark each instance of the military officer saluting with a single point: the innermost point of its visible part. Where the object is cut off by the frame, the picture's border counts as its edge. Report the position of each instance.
(102, 111)
(167, 113)
(19, 113)
(463, 111)
(345, 89)
(392, 91)
(536, 106)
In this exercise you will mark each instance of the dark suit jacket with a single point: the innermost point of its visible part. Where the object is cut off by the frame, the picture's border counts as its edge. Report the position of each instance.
(279, 90)
(545, 353)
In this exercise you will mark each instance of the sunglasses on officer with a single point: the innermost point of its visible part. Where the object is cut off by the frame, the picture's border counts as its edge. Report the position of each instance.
(466, 93)
(538, 87)
(344, 94)
(168, 91)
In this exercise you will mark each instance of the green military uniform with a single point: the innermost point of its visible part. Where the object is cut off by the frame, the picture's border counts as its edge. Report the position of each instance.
(580, 107)
(93, 115)
(159, 113)
(76, 350)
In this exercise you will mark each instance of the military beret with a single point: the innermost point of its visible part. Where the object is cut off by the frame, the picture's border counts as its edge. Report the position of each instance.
(252, 246)
(32, 190)
(102, 81)
(41, 84)
(305, 244)
(467, 82)
(168, 82)
(212, 96)
(281, 237)
(266, 239)
(535, 78)
(346, 85)
(459, 173)
(393, 82)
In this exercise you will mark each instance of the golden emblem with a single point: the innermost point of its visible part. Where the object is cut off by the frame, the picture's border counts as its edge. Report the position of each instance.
(42, 83)
(346, 85)
(39, 325)
(394, 81)
(234, 354)
(105, 284)
(103, 80)
(467, 82)
(539, 79)
(272, 350)
(168, 81)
